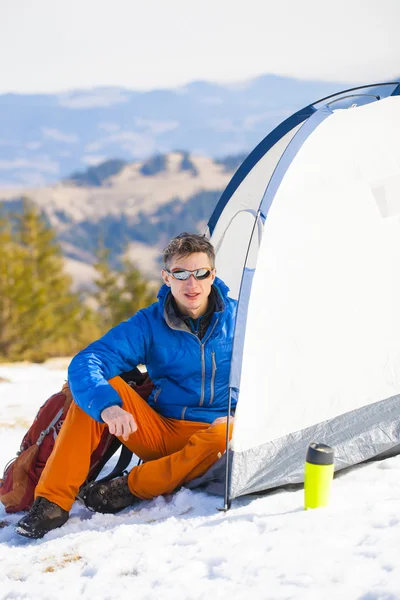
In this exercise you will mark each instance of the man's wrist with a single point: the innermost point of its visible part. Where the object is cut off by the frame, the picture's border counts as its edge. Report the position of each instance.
(108, 408)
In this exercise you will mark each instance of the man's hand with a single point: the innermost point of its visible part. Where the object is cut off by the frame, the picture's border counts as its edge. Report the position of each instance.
(120, 422)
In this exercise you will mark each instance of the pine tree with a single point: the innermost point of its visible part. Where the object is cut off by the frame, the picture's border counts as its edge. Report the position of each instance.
(136, 292)
(48, 312)
(39, 314)
(11, 287)
(108, 293)
(120, 293)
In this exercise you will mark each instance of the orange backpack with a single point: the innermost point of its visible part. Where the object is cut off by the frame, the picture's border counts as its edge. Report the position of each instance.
(22, 473)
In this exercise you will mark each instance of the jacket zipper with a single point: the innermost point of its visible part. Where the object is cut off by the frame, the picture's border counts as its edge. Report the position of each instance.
(158, 392)
(203, 363)
(214, 368)
(203, 375)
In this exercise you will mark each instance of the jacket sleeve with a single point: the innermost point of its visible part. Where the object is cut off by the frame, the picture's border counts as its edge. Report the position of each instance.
(119, 350)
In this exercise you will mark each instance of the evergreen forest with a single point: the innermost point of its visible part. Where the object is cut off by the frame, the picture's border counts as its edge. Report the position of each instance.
(40, 314)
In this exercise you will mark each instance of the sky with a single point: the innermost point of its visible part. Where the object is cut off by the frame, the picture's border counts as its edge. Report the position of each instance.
(180, 547)
(59, 45)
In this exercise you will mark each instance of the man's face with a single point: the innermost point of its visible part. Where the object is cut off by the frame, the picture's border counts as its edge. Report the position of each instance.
(191, 295)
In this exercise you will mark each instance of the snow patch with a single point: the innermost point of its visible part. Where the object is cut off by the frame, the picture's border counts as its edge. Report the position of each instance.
(181, 547)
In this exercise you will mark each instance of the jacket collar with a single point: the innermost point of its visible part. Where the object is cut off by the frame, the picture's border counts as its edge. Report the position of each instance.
(167, 310)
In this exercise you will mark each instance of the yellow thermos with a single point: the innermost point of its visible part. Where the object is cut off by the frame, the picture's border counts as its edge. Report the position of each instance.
(318, 475)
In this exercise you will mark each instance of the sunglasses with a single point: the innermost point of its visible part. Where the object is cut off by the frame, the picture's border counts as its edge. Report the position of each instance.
(184, 274)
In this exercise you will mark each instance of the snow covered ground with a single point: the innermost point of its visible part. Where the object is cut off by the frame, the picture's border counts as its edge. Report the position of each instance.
(182, 547)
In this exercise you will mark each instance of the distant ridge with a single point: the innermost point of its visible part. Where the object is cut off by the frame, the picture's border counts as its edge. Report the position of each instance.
(128, 206)
(45, 138)
(95, 176)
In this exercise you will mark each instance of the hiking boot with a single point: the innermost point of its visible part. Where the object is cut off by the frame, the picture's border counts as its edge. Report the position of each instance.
(108, 496)
(42, 518)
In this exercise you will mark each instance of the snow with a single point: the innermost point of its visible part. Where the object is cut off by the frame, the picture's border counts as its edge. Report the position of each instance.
(182, 547)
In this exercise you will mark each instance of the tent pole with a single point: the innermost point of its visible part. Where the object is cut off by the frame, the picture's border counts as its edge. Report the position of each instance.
(227, 501)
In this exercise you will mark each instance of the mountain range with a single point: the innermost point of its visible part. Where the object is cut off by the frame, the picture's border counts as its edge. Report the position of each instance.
(46, 137)
(104, 168)
(131, 208)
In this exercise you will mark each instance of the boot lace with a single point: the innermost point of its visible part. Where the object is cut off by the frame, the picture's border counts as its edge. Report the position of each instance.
(39, 508)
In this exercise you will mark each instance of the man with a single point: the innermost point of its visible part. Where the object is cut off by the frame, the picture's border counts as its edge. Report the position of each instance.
(185, 341)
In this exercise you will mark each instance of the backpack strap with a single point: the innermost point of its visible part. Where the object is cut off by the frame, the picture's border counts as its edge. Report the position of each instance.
(50, 427)
(122, 463)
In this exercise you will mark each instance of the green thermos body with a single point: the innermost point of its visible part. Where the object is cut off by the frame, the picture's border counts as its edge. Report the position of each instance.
(318, 475)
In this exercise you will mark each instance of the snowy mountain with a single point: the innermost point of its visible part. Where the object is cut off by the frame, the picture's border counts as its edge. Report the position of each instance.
(44, 138)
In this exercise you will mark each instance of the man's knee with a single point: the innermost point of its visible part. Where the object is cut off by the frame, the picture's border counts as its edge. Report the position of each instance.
(218, 431)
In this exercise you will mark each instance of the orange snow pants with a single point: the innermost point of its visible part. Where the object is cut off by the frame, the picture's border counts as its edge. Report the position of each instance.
(174, 451)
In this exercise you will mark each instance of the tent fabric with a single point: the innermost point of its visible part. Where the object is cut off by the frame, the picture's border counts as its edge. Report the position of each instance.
(241, 318)
(308, 234)
(293, 148)
(356, 436)
(233, 230)
(259, 152)
(309, 317)
(275, 180)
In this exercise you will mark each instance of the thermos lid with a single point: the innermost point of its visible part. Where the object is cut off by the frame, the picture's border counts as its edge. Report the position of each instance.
(319, 454)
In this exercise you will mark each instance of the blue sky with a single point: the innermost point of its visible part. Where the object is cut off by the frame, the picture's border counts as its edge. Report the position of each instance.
(56, 45)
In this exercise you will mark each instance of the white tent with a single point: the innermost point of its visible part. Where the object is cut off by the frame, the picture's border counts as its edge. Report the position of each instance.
(308, 239)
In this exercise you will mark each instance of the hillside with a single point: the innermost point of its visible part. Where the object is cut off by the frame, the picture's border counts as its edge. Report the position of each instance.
(140, 206)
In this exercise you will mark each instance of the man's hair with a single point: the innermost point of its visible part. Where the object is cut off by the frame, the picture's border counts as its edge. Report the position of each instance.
(187, 243)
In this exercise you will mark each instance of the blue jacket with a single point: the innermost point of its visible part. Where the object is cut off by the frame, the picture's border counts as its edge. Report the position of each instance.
(190, 375)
